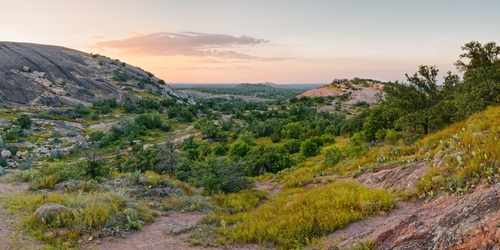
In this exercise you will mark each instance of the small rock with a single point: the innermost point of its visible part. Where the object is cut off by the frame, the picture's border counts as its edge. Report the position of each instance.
(382, 213)
(11, 163)
(289, 204)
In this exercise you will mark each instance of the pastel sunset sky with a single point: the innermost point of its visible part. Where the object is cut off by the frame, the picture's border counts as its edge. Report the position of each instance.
(232, 41)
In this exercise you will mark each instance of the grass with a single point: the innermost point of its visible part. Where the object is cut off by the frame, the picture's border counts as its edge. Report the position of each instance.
(296, 216)
(244, 200)
(87, 213)
(187, 203)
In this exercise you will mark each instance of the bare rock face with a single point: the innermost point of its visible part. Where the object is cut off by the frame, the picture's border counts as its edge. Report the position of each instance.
(448, 222)
(58, 76)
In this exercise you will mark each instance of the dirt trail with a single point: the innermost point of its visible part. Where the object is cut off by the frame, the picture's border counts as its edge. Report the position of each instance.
(154, 236)
(10, 237)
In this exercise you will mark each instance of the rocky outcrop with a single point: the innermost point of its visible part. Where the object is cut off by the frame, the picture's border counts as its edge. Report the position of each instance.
(58, 76)
(448, 222)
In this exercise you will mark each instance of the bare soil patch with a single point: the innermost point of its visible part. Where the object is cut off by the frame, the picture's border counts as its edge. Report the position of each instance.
(154, 236)
(10, 235)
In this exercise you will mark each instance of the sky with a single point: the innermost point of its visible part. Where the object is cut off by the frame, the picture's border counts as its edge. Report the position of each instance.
(234, 41)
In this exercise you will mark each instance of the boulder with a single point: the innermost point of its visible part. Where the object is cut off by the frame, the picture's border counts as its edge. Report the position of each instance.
(11, 163)
(24, 154)
(67, 186)
(6, 153)
(177, 228)
(47, 208)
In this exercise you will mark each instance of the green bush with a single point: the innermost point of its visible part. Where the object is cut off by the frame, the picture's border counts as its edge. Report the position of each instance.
(293, 146)
(24, 122)
(95, 136)
(308, 148)
(239, 148)
(391, 136)
(332, 156)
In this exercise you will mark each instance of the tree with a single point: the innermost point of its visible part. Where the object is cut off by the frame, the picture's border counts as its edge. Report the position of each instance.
(293, 130)
(239, 148)
(268, 158)
(170, 158)
(420, 103)
(95, 164)
(479, 56)
(292, 145)
(220, 174)
(481, 82)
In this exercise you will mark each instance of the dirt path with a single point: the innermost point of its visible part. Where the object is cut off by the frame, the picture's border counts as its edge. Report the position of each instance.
(154, 236)
(10, 237)
(182, 138)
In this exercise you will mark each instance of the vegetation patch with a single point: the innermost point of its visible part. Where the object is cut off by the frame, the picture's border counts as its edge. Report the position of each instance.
(296, 216)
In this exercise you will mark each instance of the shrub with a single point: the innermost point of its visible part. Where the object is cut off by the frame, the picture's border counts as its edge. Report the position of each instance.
(293, 146)
(24, 122)
(391, 136)
(96, 136)
(239, 148)
(220, 149)
(3, 162)
(308, 148)
(220, 174)
(332, 156)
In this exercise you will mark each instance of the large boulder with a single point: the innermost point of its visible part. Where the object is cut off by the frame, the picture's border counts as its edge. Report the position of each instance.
(57, 76)
(43, 211)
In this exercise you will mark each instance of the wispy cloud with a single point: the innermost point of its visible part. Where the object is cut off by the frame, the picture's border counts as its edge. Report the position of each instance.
(97, 37)
(188, 44)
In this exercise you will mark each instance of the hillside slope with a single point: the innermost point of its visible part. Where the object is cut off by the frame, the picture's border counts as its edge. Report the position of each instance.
(452, 180)
(57, 76)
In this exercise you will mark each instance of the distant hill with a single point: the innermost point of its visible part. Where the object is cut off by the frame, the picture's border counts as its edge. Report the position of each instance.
(358, 90)
(56, 76)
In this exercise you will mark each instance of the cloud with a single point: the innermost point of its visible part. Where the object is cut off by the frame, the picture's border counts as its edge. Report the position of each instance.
(187, 44)
(97, 37)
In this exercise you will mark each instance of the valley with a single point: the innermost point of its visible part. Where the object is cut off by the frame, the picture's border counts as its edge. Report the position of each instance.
(99, 154)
